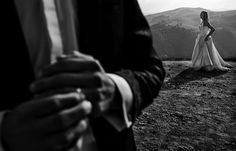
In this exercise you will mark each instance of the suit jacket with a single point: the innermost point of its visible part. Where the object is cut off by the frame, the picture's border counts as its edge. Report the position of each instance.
(113, 31)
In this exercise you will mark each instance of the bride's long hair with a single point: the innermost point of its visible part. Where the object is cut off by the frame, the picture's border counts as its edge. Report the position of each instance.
(204, 16)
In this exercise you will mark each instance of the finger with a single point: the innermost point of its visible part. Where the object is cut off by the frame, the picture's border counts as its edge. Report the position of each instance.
(98, 95)
(66, 118)
(99, 99)
(75, 54)
(44, 106)
(54, 92)
(92, 95)
(61, 57)
(66, 139)
(83, 80)
(80, 128)
(77, 133)
(71, 65)
(75, 114)
(82, 55)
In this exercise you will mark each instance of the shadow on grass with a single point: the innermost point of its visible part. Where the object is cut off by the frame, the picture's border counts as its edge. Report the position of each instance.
(189, 75)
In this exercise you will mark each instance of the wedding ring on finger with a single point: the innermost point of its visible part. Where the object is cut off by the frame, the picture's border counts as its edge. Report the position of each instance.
(81, 95)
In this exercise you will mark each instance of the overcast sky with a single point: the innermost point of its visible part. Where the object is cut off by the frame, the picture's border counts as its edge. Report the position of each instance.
(154, 6)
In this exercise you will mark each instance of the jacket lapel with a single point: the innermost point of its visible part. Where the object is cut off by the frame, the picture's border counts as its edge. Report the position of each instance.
(15, 63)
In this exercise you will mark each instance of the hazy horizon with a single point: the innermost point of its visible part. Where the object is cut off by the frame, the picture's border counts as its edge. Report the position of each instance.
(157, 6)
(146, 14)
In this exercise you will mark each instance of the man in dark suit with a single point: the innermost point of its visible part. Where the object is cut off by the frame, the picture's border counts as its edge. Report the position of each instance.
(66, 90)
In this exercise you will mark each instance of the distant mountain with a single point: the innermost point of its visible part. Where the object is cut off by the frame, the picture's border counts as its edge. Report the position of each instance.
(175, 31)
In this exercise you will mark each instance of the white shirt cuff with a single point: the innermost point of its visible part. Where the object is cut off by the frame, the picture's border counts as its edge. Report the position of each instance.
(1, 118)
(121, 120)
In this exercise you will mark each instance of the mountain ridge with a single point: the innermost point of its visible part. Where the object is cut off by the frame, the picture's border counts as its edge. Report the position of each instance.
(174, 31)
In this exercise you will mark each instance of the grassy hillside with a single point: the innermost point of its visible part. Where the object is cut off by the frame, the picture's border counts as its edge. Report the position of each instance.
(195, 111)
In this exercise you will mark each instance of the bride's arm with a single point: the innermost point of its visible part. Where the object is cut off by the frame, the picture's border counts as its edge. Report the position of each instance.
(212, 29)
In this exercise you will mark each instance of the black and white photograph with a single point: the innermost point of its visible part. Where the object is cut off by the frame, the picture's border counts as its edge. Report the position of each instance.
(118, 75)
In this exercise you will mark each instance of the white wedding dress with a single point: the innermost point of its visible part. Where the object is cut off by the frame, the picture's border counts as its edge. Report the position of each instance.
(205, 55)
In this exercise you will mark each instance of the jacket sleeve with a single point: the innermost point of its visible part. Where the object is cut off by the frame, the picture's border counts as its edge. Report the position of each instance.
(143, 69)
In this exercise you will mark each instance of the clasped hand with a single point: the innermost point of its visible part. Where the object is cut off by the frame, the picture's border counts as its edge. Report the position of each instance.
(55, 119)
(78, 71)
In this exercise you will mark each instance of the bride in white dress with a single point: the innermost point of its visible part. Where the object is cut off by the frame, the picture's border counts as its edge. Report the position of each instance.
(205, 55)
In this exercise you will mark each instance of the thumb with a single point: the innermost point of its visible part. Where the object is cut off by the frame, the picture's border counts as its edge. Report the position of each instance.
(82, 55)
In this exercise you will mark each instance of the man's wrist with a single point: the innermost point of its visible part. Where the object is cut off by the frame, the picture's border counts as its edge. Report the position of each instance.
(119, 114)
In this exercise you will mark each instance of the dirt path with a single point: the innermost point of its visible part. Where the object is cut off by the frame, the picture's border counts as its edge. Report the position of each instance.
(196, 111)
